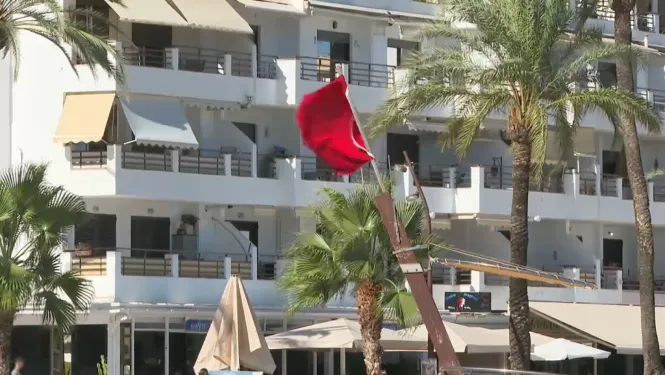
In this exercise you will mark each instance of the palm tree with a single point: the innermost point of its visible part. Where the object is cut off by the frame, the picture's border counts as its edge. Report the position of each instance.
(522, 60)
(352, 251)
(623, 35)
(62, 27)
(34, 219)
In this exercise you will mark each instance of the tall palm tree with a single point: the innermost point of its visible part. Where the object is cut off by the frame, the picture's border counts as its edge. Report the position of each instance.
(34, 219)
(62, 27)
(521, 60)
(351, 251)
(623, 35)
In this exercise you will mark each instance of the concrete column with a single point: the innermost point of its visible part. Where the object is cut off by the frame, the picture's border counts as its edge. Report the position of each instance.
(342, 362)
(478, 177)
(123, 233)
(255, 161)
(315, 364)
(599, 272)
(629, 365)
(114, 264)
(650, 190)
(65, 261)
(175, 264)
(175, 57)
(279, 266)
(166, 346)
(402, 183)
(452, 171)
(477, 280)
(175, 160)
(254, 266)
(329, 361)
(453, 276)
(227, 165)
(619, 187)
(619, 278)
(255, 67)
(287, 169)
(228, 65)
(114, 158)
(227, 267)
(572, 273)
(571, 183)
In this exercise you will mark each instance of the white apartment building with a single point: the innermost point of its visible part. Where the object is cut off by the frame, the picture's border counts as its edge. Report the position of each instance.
(194, 170)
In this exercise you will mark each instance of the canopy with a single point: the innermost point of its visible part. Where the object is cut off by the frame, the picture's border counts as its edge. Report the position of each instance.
(213, 14)
(339, 334)
(84, 117)
(159, 121)
(235, 338)
(562, 349)
(156, 12)
(582, 319)
(272, 5)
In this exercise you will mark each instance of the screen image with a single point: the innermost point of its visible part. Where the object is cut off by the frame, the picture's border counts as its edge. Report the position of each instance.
(469, 302)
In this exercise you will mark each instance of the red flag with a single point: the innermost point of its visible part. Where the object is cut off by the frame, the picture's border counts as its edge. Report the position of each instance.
(329, 128)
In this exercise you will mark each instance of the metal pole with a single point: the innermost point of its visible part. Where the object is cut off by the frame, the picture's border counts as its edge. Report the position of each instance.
(410, 266)
(427, 220)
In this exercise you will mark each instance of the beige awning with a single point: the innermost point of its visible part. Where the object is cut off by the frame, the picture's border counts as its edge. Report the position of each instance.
(235, 338)
(583, 319)
(214, 15)
(272, 5)
(156, 12)
(84, 118)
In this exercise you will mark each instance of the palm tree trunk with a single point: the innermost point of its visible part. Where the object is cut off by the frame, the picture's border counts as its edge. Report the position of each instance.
(518, 303)
(6, 325)
(368, 299)
(638, 185)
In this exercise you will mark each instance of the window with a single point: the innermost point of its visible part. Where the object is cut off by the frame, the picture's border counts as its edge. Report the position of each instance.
(607, 74)
(399, 50)
(98, 231)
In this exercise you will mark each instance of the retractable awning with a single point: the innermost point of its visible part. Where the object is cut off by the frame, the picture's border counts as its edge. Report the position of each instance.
(159, 122)
(582, 319)
(155, 12)
(84, 117)
(272, 5)
(369, 11)
(214, 15)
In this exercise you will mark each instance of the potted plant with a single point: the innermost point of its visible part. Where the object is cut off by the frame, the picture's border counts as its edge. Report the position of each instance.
(83, 249)
(189, 222)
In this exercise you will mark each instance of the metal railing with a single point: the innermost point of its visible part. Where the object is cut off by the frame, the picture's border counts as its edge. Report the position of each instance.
(361, 74)
(659, 189)
(366, 173)
(193, 59)
(587, 183)
(463, 277)
(241, 64)
(372, 75)
(88, 159)
(441, 274)
(131, 266)
(267, 67)
(312, 170)
(241, 164)
(434, 175)
(550, 183)
(201, 161)
(267, 267)
(149, 57)
(608, 186)
(498, 177)
(147, 161)
(89, 266)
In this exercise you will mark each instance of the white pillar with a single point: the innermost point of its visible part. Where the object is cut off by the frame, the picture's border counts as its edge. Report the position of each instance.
(477, 177)
(329, 360)
(227, 165)
(175, 57)
(315, 364)
(133, 345)
(227, 267)
(453, 276)
(166, 346)
(619, 183)
(227, 64)
(175, 160)
(451, 177)
(66, 261)
(175, 264)
(650, 190)
(599, 272)
(342, 362)
(477, 280)
(255, 64)
(254, 254)
(287, 169)
(255, 160)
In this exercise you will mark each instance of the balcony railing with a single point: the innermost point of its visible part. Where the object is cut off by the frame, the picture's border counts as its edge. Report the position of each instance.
(165, 263)
(88, 159)
(203, 60)
(362, 74)
(147, 160)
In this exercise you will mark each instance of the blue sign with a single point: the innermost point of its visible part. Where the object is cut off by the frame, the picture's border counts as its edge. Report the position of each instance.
(197, 325)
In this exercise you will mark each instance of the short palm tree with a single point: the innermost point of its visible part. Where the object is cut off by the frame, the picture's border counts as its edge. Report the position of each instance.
(34, 219)
(62, 27)
(351, 251)
(526, 59)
